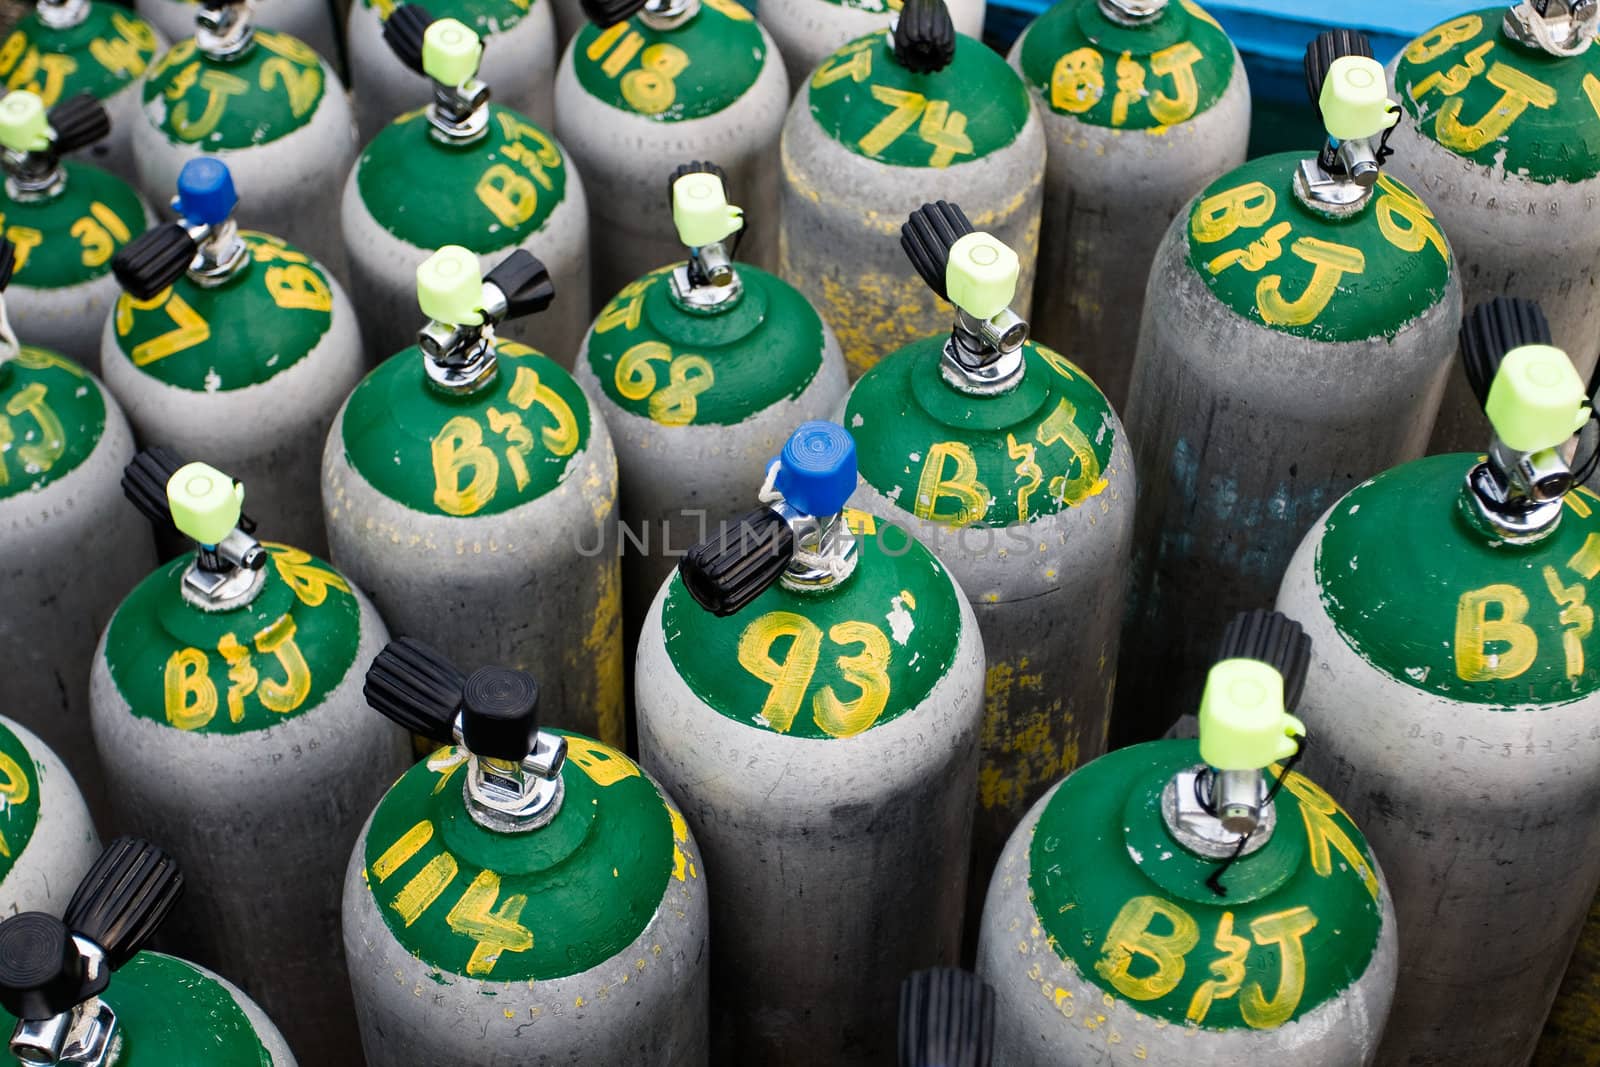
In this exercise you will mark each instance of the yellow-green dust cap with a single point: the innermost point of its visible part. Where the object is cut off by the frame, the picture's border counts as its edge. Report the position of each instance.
(450, 287)
(1537, 400)
(1243, 725)
(451, 52)
(1355, 99)
(981, 275)
(205, 502)
(23, 125)
(701, 212)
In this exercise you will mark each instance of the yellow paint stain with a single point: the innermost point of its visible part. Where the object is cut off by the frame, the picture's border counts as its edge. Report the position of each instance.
(682, 865)
(1023, 752)
(598, 659)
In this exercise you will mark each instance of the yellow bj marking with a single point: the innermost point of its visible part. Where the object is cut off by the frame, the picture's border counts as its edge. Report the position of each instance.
(1060, 428)
(1227, 970)
(1519, 91)
(1577, 620)
(526, 391)
(1132, 934)
(297, 288)
(242, 676)
(1476, 630)
(1452, 81)
(291, 692)
(41, 73)
(458, 449)
(1331, 262)
(1218, 216)
(40, 454)
(189, 693)
(951, 471)
(510, 197)
(219, 86)
(1028, 471)
(1284, 929)
(1176, 62)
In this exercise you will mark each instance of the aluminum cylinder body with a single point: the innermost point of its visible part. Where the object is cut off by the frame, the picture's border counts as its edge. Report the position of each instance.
(1451, 720)
(1265, 385)
(837, 864)
(50, 840)
(849, 185)
(1504, 145)
(260, 812)
(627, 125)
(70, 547)
(1122, 163)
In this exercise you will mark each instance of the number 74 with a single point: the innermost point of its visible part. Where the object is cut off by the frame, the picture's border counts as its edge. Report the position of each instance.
(944, 129)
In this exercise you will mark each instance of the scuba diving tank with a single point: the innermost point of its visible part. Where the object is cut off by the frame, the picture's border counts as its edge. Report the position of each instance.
(888, 123)
(262, 102)
(1504, 144)
(234, 344)
(946, 1019)
(315, 22)
(701, 370)
(470, 488)
(1006, 460)
(67, 549)
(65, 47)
(1455, 707)
(547, 907)
(461, 171)
(66, 220)
(78, 991)
(1166, 905)
(808, 31)
(810, 689)
(518, 54)
(1123, 162)
(226, 703)
(695, 78)
(1298, 328)
(47, 840)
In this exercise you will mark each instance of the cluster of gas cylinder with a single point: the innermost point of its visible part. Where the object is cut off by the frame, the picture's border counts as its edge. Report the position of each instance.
(517, 606)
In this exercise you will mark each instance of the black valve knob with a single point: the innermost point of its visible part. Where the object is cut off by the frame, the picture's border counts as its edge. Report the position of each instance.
(1328, 46)
(8, 262)
(124, 897)
(78, 121)
(417, 687)
(607, 13)
(403, 31)
(154, 260)
(726, 572)
(144, 482)
(41, 970)
(925, 36)
(927, 238)
(1494, 328)
(1274, 639)
(525, 282)
(946, 1019)
(500, 713)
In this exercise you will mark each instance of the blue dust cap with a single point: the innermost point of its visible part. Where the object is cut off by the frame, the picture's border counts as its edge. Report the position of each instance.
(205, 191)
(817, 471)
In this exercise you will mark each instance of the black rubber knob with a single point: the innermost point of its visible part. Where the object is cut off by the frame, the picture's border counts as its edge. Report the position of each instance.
(403, 31)
(416, 686)
(41, 970)
(747, 555)
(525, 282)
(925, 36)
(927, 238)
(79, 121)
(1494, 328)
(8, 262)
(500, 713)
(946, 1019)
(124, 897)
(154, 260)
(1328, 46)
(1274, 639)
(697, 167)
(604, 13)
(144, 482)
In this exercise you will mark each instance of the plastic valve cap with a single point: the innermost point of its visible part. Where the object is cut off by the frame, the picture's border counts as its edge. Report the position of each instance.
(1537, 400)
(41, 970)
(450, 287)
(205, 191)
(500, 713)
(205, 502)
(701, 212)
(1355, 99)
(1243, 724)
(451, 52)
(981, 275)
(817, 468)
(23, 125)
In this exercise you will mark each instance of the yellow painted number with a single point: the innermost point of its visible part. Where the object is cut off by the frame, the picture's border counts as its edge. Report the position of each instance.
(854, 63)
(188, 328)
(1078, 81)
(1436, 42)
(101, 232)
(651, 88)
(941, 127)
(43, 449)
(125, 53)
(791, 678)
(496, 928)
(302, 84)
(676, 403)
